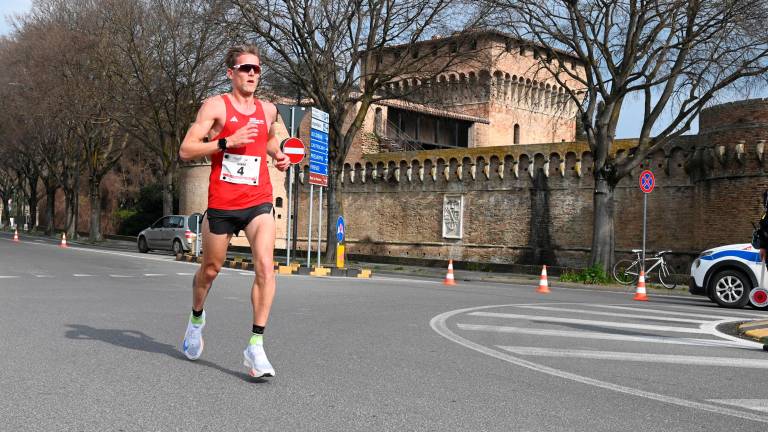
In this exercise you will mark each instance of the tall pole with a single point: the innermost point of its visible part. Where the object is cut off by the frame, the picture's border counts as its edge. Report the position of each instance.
(309, 226)
(645, 212)
(319, 224)
(290, 190)
(290, 216)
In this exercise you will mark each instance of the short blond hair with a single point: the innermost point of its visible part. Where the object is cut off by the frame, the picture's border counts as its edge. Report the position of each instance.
(235, 52)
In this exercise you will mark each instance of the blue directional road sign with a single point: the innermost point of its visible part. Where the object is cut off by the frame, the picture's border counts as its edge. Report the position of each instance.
(318, 148)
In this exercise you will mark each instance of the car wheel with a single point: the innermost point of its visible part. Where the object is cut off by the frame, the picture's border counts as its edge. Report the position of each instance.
(143, 248)
(177, 247)
(730, 289)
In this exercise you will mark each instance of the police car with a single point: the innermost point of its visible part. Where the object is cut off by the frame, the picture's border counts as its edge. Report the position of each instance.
(727, 274)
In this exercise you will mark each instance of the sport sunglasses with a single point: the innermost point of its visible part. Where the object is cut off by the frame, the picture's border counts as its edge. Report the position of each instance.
(247, 68)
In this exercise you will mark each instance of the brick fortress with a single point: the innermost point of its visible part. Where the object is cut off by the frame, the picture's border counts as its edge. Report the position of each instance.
(496, 174)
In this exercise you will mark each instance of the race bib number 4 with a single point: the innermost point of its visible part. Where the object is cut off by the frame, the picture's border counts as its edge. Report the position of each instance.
(240, 169)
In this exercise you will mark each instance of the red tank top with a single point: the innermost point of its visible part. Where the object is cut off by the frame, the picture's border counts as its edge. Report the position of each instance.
(224, 195)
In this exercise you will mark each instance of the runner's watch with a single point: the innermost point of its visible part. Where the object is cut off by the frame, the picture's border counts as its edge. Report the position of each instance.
(223, 144)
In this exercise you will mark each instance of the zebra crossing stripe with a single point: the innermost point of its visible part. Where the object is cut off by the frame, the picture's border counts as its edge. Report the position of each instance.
(736, 362)
(597, 335)
(667, 312)
(617, 314)
(610, 324)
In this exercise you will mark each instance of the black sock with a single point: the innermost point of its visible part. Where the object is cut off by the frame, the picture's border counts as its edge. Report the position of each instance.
(258, 329)
(197, 314)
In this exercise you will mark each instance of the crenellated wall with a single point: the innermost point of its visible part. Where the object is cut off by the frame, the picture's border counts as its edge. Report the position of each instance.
(532, 204)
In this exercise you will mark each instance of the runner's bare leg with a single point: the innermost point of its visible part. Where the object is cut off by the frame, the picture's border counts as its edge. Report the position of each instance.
(214, 253)
(261, 235)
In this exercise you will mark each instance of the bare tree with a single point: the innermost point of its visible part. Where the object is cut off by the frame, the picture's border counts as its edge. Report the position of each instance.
(338, 54)
(674, 55)
(168, 59)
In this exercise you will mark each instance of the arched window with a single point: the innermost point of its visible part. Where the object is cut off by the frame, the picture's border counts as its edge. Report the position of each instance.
(516, 139)
(279, 202)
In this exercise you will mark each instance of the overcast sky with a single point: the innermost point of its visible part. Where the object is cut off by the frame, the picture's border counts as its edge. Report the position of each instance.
(629, 123)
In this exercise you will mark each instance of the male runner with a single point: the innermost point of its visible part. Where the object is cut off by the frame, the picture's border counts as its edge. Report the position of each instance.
(239, 196)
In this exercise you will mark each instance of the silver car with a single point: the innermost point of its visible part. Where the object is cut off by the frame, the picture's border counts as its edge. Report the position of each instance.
(173, 232)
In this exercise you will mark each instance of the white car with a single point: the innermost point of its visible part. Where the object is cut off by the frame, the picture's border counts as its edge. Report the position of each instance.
(727, 274)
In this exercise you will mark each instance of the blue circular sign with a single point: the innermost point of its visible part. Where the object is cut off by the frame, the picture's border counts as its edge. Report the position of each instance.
(340, 229)
(647, 181)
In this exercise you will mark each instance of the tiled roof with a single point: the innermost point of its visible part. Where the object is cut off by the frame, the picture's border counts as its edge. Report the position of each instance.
(424, 109)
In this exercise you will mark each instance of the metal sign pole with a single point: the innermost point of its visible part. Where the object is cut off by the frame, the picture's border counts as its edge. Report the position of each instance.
(309, 226)
(288, 229)
(319, 224)
(197, 236)
(645, 211)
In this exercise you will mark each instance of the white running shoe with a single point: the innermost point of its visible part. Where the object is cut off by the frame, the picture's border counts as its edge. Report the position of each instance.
(193, 339)
(255, 359)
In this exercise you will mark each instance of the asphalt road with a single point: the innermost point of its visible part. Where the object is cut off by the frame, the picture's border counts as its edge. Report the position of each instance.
(89, 342)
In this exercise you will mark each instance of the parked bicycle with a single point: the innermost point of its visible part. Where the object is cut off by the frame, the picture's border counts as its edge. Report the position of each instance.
(628, 271)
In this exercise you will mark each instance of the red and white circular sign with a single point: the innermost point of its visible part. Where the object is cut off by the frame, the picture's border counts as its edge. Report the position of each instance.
(294, 149)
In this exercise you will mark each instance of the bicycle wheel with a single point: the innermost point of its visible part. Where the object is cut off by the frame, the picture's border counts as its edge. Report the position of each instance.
(665, 277)
(626, 271)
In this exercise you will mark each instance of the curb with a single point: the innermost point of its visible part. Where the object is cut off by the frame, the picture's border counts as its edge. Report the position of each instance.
(240, 263)
(757, 330)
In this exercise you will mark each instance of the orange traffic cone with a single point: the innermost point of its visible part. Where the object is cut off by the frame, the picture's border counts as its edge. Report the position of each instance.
(640, 293)
(449, 280)
(63, 240)
(543, 284)
(16, 235)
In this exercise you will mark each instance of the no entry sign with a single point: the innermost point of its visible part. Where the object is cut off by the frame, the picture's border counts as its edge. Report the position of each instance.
(647, 181)
(294, 149)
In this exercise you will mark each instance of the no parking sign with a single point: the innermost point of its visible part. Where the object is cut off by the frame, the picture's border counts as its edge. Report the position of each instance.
(647, 181)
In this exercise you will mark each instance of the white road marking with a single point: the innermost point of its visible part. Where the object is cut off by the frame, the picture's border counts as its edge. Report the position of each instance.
(666, 312)
(185, 274)
(8, 277)
(639, 357)
(753, 404)
(43, 276)
(730, 313)
(438, 324)
(609, 324)
(597, 335)
(153, 274)
(81, 275)
(616, 314)
(245, 274)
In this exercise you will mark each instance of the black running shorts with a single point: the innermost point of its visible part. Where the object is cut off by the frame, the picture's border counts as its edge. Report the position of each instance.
(233, 221)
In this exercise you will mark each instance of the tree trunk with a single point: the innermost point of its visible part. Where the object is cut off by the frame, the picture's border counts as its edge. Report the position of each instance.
(94, 232)
(32, 202)
(168, 192)
(6, 213)
(50, 209)
(602, 222)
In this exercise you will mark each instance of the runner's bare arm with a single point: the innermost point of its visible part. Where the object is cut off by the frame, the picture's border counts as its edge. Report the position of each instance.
(195, 144)
(273, 145)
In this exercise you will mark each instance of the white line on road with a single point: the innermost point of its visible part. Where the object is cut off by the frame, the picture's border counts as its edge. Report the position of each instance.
(610, 324)
(639, 357)
(43, 276)
(8, 277)
(81, 275)
(185, 274)
(753, 404)
(598, 335)
(153, 274)
(439, 324)
(666, 312)
(616, 314)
